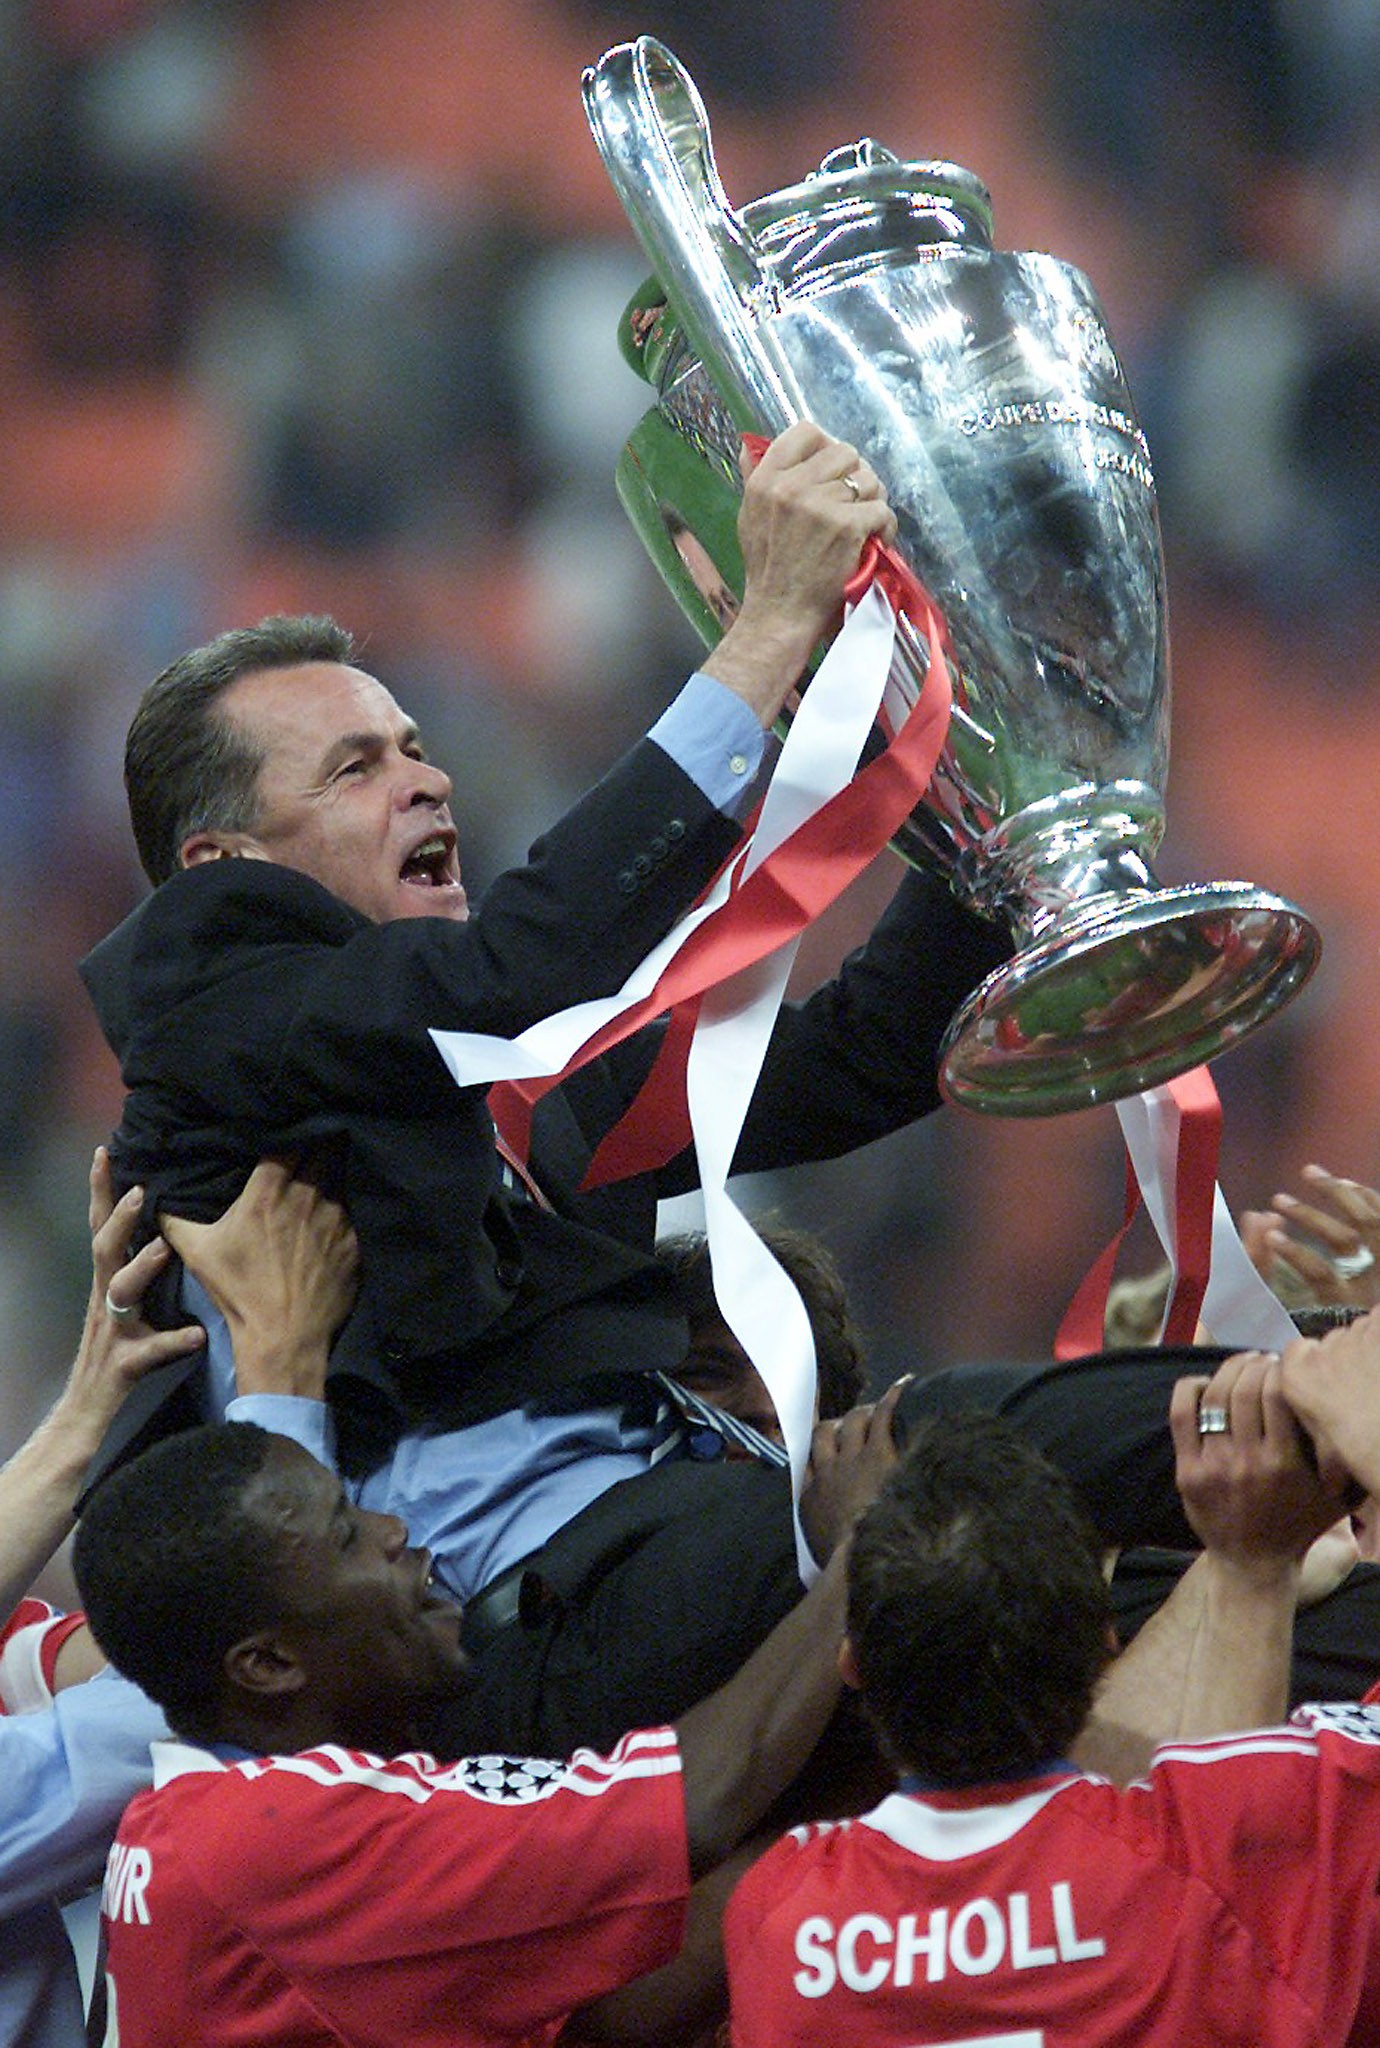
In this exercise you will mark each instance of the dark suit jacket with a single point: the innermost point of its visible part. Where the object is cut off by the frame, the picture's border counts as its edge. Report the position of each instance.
(255, 1014)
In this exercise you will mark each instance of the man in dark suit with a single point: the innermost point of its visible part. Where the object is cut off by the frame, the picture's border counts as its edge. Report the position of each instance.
(274, 995)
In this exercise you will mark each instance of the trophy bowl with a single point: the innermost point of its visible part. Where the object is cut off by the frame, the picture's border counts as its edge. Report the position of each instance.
(983, 388)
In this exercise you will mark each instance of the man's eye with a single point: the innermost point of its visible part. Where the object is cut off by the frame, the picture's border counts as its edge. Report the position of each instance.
(351, 768)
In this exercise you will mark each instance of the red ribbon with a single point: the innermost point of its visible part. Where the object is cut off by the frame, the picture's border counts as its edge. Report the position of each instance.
(1083, 1329)
(790, 888)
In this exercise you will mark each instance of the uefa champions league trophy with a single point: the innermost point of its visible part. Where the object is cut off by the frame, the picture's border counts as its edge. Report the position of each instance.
(983, 389)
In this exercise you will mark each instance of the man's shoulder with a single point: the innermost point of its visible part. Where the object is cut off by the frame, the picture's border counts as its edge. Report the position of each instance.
(202, 924)
(1333, 1738)
(225, 1820)
(220, 1810)
(250, 898)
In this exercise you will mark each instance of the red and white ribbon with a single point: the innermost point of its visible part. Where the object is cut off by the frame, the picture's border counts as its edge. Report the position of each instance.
(731, 958)
(1172, 1136)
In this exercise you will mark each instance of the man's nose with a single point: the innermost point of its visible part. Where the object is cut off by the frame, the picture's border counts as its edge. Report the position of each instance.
(392, 1533)
(422, 782)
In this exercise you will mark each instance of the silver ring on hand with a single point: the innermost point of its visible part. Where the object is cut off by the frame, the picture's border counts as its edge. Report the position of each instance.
(121, 1314)
(1351, 1265)
(852, 485)
(1213, 1422)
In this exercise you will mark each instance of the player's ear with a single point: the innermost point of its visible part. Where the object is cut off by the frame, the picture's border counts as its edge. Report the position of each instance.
(264, 1664)
(204, 846)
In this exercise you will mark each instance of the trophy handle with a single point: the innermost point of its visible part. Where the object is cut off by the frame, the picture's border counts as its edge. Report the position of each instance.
(652, 132)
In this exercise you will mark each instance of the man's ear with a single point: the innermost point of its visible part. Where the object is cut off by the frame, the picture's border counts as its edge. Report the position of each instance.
(848, 1666)
(265, 1665)
(203, 846)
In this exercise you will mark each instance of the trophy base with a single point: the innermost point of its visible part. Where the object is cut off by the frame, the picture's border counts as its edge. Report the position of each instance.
(1117, 997)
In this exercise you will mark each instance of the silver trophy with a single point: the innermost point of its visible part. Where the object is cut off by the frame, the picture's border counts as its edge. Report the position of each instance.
(982, 387)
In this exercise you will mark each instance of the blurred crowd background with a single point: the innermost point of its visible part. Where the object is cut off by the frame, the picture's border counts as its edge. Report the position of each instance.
(311, 304)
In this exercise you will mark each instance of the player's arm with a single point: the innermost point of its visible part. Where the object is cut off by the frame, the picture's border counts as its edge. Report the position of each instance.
(743, 1746)
(280, 1263)
(677, 2005)
(39, 1485)
(1216, 1656)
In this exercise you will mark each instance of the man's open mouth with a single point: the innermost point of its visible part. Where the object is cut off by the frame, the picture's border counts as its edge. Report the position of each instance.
(434, 1598)
(430, 865)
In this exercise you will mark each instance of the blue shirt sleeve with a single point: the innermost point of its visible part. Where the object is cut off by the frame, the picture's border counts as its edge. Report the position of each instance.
(710, 733)
(309, 1423)
(66, 1775)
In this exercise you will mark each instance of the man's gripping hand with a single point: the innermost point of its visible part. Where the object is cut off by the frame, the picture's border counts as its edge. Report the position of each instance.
(280, 1265)
(1332, 1384)
(1252, 1492)
(808, 507)
(849, 1459)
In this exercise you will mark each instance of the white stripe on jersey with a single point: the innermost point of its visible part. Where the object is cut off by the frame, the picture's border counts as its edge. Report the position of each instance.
(1357, 1724)
(646, 1753)
(329, 1766)
(943, 1834)
(1280, 1742)
(23, 1686)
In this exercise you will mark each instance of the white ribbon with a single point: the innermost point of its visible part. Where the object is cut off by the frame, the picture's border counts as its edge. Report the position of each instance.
(1238, 1307)
(759, 1302)
(757, 1299)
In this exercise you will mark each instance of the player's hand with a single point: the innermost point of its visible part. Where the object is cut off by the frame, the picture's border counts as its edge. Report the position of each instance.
(1252, 1490)
(1320, 1250)
(117, 1346)
(280, 1265)
(1332, 1384)
(850, 1456)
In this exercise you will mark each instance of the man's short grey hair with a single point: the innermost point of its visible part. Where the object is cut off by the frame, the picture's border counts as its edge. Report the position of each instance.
(187, 768)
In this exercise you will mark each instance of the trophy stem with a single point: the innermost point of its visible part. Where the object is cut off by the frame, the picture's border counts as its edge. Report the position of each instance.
(1087, 841)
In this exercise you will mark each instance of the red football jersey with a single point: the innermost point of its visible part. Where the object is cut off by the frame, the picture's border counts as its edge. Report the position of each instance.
(29, 1645)
(336, 1898)
(1226, 1899)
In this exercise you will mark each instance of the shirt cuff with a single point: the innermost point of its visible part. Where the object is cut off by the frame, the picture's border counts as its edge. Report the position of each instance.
(309, 1423)
(714, 738)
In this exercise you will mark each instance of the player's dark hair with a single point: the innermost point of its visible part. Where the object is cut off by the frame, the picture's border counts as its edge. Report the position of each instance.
(187, 768)
(977, 1608)
(171, 1570)
(811, 1265)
